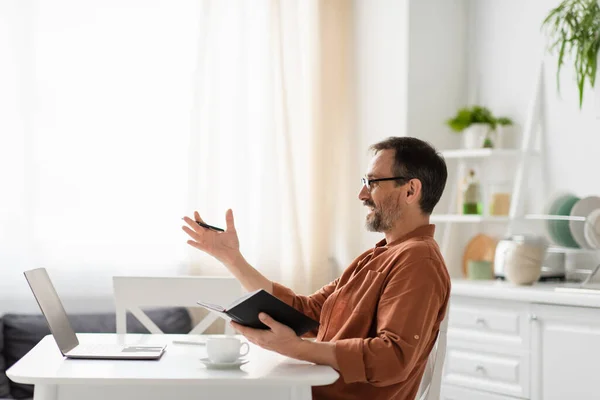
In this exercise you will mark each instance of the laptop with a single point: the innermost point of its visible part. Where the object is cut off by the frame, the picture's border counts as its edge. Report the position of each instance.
(66, 339)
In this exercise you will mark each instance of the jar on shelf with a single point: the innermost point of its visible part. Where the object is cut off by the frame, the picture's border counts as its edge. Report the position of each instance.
(499, 198)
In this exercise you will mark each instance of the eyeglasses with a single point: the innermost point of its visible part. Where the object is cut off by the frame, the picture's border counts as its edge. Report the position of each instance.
(367, 182)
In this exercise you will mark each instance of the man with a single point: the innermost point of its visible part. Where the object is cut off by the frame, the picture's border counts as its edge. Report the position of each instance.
(380, 319)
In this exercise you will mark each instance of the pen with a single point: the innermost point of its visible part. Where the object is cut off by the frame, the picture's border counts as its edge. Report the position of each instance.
(214, 228)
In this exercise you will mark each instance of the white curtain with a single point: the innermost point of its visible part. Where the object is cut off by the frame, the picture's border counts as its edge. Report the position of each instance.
(117, 117)
(270, 132)
(94, 129)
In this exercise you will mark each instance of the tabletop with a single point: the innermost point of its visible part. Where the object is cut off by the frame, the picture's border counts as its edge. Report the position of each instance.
(44, 364)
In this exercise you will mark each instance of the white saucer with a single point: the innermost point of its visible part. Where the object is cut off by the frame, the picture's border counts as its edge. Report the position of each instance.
(224, 365)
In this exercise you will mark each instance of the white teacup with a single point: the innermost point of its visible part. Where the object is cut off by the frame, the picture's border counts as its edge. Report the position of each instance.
(225, 349)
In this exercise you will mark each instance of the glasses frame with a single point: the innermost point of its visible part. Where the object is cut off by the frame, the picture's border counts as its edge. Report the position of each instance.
(367, 182)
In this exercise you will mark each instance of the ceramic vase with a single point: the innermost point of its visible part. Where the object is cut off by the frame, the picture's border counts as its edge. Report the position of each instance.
(474, 136)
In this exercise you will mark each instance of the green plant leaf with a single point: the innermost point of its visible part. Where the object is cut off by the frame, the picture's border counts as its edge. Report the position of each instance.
(573, 28)
(561, 56)
(466, 116)
(504, 121)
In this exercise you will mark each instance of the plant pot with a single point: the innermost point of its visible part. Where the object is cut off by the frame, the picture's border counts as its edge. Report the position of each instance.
(474, 136)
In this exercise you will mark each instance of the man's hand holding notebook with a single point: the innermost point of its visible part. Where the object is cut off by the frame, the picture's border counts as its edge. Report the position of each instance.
(245, 312)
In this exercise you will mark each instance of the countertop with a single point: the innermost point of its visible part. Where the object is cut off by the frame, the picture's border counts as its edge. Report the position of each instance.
(568, 294)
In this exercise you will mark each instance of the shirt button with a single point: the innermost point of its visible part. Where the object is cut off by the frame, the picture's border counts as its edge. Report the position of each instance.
(416, 336)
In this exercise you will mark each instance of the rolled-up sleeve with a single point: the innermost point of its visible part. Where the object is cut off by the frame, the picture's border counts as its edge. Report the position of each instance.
(309, 305)
(407, 313)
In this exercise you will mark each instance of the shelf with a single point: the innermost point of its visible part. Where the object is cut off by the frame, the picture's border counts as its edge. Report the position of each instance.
(550, 217)
(467, 218)
(570, 250)
(483, 153)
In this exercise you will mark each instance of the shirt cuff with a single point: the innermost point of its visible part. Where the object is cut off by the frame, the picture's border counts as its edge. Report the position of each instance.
(284, 294)
(349, 355)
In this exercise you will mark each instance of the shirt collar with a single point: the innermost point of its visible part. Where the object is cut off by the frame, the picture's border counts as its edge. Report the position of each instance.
(423, 230)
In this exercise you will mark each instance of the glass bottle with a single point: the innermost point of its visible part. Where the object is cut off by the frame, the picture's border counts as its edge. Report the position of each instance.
(472, 197)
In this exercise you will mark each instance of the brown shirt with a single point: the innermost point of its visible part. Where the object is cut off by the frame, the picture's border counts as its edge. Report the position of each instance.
(384, 315)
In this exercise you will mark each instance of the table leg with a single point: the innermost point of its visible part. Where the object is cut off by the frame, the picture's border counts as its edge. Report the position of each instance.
(45, 392)
(300, 393)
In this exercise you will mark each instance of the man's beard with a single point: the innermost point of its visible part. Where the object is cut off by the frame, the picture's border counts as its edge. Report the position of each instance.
(382, 218)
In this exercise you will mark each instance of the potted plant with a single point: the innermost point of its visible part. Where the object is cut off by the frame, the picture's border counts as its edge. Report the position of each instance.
(479, 127)
(574, 29)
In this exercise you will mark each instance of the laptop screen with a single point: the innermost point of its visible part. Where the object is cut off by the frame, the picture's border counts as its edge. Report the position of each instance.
(52, 308)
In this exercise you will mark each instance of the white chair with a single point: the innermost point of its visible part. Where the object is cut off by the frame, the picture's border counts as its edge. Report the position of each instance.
(132, 292)
(431, 383)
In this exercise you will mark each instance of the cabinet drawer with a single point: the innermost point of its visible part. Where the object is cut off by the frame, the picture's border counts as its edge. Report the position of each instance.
(488, 321)
(488, 371)
(458, 393)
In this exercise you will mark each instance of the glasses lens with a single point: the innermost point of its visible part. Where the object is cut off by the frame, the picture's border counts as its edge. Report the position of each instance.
(365, 183)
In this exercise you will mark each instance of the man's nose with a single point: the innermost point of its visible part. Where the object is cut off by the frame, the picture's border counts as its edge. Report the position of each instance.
(364, 193)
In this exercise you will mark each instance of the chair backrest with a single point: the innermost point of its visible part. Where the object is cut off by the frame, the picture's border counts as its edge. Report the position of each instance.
(431, 383)
(133, 292)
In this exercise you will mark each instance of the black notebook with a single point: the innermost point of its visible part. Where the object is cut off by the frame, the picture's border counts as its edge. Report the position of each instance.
(245, 312)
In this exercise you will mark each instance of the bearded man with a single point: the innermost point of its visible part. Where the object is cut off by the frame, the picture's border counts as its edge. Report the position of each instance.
(380, 319)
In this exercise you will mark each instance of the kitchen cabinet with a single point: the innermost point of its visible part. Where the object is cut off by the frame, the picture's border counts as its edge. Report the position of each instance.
(488, 347)
(502, 349)
(566, 352)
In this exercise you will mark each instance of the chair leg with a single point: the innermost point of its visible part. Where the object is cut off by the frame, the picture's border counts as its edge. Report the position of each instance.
(121, 321)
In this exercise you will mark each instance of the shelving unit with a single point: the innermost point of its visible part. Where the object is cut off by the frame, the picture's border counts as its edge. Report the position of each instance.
(520, 157)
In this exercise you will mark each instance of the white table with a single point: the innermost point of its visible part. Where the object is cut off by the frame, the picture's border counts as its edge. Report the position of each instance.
(178, 374)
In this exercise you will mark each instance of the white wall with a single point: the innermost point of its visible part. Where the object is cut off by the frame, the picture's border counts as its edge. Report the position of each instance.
(381, 59)
(437, 71)
(410, 73)
(437, 81)
(508, 46)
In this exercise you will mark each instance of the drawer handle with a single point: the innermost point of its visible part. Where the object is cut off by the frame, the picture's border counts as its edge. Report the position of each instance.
(480, 321)
(480, 369)
(533, 317)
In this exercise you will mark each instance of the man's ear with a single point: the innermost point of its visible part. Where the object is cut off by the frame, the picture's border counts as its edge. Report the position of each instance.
(414, 191)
